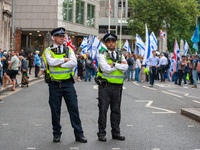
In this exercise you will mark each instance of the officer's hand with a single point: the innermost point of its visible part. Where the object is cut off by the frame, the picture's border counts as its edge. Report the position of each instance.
(124, 62)
(111, 64)
(157, 66)
(59, 66)
(66, 59)
(150, 65)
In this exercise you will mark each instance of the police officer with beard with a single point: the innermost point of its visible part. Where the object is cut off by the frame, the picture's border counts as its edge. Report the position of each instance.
(112, 66)
(60, 61)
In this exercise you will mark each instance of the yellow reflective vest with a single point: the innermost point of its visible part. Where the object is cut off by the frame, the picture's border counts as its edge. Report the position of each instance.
(56, 72)
(116, 77)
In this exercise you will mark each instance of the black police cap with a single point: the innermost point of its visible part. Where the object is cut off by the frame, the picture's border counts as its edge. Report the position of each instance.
(109, 36)
(58, 31)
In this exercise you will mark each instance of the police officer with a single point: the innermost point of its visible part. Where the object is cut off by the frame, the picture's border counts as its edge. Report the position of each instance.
(60, 61)
(153, 65)
(112, 66)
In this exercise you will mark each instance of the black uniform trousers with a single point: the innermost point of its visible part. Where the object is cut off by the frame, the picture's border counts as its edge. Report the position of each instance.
(37, 70)
(180, 75)
(56, 92)
(109, 95)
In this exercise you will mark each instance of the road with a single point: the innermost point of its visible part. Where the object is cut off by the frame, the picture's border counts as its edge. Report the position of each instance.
(151, 119)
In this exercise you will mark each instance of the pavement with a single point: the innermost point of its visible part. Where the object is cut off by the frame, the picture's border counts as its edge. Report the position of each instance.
(19, 76)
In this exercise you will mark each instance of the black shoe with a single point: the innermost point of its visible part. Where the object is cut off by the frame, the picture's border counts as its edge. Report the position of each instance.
(118, 137)
(56, 139)
(102, 138)
(81, 139)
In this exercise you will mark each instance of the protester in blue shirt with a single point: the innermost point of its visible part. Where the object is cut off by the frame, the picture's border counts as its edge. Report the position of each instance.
(194, 71)
(131, 62)
(37, 63)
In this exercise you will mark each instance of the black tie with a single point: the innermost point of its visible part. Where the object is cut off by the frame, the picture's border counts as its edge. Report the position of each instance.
(59, 50)
(112, 54)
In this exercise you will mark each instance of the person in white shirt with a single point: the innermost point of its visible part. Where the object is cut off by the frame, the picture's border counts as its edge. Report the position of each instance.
(162, 64)
(137, 68)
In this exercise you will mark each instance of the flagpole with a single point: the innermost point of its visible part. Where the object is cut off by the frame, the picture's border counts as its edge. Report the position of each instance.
(109, 17)
(121, 24)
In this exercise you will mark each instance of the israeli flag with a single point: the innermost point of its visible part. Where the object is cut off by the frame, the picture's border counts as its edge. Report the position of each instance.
(141, 51)
(127, 47)
(95, 47)
(89, 43)
(84, 45)
(186, 48)
(147, 49)
(153, 42)
(139, 42)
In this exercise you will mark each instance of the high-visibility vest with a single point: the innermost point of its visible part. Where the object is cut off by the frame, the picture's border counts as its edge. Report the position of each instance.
(116, 77)
(55, 72)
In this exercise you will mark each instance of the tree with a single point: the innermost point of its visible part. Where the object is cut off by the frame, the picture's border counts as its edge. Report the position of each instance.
(176, 16)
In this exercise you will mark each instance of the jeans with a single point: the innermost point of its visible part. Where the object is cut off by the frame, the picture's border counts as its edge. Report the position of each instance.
(88, 70)
(176, 77)
(137, 71)
(56, 92)
(168, 74)
(130, 71)
(163, 72)
(152, 75)
(194, 74)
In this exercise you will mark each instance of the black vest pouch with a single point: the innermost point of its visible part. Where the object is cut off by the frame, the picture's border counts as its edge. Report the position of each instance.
(47, 77)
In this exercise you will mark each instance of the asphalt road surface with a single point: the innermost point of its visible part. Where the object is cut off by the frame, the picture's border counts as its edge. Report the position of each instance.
(151, 119)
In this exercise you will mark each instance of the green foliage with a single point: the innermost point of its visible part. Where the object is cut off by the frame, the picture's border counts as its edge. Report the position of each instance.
(177, 17)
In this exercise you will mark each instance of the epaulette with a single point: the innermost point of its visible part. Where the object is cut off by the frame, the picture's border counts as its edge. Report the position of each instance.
(104, 52)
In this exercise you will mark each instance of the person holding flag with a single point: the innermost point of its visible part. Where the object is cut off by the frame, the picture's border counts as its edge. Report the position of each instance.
(110, 76)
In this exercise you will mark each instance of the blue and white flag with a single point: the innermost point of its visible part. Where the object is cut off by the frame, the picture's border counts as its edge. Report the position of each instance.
(186, 48)
(139, 42)
(96, 44)
(136, 51)
(89, 43)
(153, 42)
(141, 51)
(127, 47)
(84, 45)
(147, 49)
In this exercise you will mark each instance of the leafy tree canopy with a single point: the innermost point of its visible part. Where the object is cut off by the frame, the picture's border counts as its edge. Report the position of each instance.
(177, 17)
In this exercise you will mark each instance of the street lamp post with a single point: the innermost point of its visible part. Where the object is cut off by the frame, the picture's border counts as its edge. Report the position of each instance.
(13, 24)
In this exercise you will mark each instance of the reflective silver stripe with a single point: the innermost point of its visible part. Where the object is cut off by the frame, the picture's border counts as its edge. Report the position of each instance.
(113, 76)
(61, 72)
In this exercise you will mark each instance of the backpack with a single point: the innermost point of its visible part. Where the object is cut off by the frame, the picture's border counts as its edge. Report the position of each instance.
(88, 62)
(198, 66)
(169, 63)
(130, 61)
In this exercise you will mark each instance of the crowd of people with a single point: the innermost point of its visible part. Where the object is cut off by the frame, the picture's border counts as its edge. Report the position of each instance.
(160, 67)
(13, 64)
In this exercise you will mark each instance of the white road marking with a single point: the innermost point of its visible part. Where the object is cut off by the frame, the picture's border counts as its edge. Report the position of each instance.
(135, 83)
(31, 148)
(129, 125)
(160, 126)
(186, 94)
(124, 88)
(185, 87)
(95, 87)
(194, 97)
(5, 124)
(172, 94)
(74, 148)
(161, 85)
(1, 102)
(116, 148)
(149, 88)
(164, 111)
(190, 126)
(156, 149)
(196, 101)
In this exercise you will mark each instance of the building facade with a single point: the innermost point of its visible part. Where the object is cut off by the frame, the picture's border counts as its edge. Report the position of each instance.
(5, 24)
(118, 8)
(35, 19)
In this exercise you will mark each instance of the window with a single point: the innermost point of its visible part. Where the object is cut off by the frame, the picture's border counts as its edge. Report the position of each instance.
(67, 10)
(79, 12)
(90, 15)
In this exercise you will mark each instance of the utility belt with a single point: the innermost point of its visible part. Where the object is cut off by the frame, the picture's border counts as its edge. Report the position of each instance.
(48, 79)
(103, 82)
